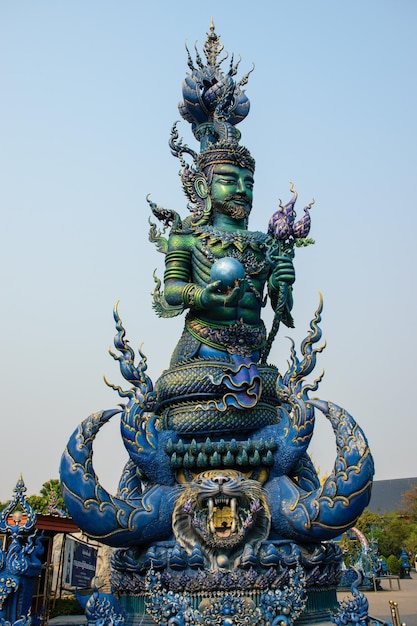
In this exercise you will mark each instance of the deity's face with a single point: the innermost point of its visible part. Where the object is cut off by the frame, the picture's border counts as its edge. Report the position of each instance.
(232, 190)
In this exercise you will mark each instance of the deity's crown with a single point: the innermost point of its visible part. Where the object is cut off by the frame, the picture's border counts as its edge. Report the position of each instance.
(213, 103)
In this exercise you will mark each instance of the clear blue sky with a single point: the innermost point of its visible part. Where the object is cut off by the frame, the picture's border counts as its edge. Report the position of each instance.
(89, 93)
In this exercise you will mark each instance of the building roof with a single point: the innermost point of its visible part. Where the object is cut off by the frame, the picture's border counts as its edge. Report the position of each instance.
(52, 523)
(56, 524)
(387, 494)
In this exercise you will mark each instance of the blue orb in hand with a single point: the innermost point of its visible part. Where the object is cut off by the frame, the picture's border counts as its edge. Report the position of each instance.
(228, 271)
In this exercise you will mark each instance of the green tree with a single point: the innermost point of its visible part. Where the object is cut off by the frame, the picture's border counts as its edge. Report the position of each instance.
(3, 505)
(410, 543)
(50, 497)
(369, 522)
(393, 531)
(394, 565)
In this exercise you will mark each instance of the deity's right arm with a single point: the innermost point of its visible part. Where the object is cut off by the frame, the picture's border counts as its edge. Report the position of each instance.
(179, 288)
(187, 278)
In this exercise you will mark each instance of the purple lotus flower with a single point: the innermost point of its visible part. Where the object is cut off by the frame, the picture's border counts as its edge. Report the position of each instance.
(282, 224)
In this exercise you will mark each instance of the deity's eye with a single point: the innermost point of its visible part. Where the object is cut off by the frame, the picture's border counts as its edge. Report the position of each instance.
(227, 180)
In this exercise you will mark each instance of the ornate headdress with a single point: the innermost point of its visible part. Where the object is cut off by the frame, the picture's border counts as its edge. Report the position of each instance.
(213, 103)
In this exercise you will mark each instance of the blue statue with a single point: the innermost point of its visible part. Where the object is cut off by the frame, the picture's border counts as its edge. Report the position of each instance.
(405, 564)
(353, 611)
(219, 492)
(20, 562)
(101, 609)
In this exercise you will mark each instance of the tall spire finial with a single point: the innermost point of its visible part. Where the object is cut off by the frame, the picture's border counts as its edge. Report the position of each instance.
(213, 102)
(212, 47)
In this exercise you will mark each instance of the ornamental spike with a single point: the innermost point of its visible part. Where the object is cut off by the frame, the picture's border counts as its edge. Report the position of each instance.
(189, 59)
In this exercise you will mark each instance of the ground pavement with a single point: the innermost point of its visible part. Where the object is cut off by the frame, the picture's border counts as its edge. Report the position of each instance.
(379, 600)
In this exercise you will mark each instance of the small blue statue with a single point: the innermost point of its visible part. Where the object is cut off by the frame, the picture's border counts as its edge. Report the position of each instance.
(405, 564)
(20, 562)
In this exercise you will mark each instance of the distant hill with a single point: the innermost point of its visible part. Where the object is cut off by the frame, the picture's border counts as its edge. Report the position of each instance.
(387, 494)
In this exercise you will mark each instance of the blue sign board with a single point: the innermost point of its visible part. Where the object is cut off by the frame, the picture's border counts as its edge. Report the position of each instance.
(79, 563)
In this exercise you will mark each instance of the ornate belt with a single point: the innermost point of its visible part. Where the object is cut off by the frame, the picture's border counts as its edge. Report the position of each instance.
(236, 338)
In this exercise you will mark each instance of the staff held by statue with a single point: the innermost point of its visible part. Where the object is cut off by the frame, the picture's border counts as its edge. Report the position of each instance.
(288, 234)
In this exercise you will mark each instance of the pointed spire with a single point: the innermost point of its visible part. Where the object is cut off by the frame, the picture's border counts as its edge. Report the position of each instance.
(212, 47)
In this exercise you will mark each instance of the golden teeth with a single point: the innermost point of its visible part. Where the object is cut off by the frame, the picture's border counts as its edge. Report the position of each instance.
(222, 520)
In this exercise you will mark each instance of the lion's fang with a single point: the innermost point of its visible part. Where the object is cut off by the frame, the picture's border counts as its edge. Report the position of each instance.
(210, 520)
(233, 503)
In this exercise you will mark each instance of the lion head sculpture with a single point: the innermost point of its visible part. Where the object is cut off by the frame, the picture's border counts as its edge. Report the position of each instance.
(221, 511)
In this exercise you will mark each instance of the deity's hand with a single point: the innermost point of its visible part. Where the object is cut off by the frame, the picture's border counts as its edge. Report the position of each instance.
(212, 297)
(283, 271)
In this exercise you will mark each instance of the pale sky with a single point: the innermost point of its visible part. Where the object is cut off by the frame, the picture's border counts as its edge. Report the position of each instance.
(89, 91)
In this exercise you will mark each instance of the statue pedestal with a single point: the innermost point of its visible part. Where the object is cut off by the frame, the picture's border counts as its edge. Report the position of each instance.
(320, 605)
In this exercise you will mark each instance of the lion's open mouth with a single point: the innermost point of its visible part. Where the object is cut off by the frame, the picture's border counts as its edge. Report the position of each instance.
(222, 516)
(220, 511)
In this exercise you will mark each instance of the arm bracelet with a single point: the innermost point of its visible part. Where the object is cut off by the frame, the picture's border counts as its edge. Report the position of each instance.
(191, 296)
(177, 273)
(177, 265)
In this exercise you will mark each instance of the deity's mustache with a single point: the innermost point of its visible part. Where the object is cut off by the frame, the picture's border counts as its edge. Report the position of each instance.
(235, 211)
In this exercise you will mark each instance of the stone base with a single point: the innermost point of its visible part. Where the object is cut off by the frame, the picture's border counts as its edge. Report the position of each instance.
(320, 605)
